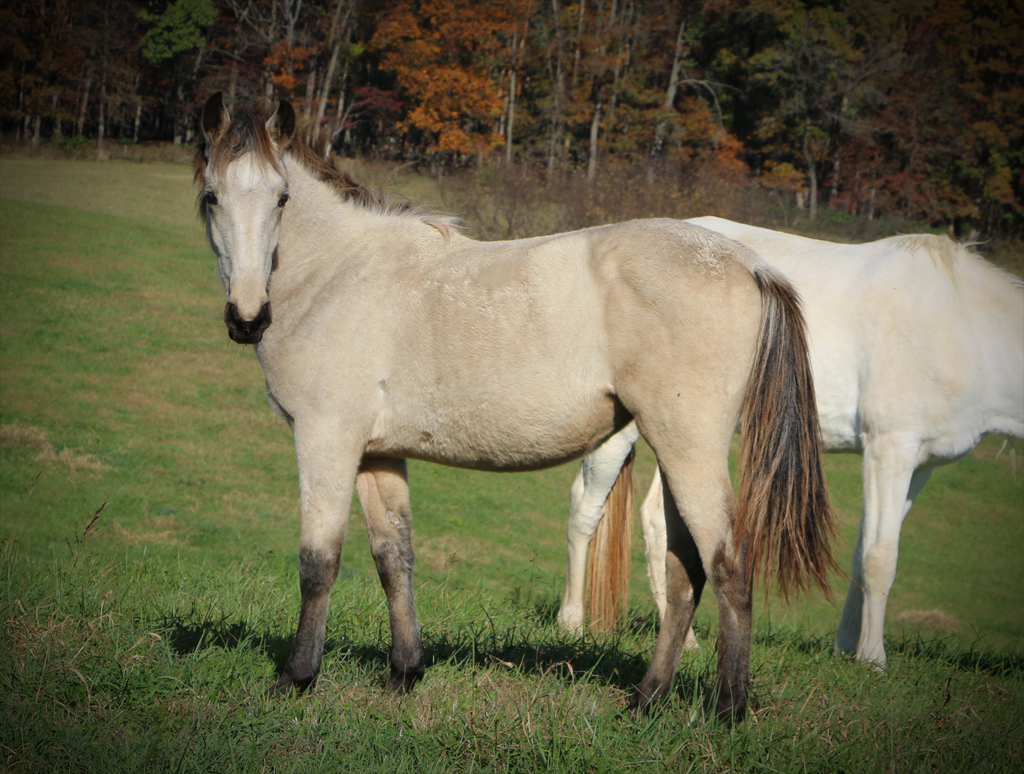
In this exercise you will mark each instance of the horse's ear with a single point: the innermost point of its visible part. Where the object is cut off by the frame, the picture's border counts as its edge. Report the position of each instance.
(281, 125)
(216, 118)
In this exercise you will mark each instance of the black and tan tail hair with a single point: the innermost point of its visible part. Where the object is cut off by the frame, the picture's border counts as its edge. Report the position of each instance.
(784, 516)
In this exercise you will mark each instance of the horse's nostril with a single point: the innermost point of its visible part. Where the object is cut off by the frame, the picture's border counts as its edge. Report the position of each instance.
(245, 331)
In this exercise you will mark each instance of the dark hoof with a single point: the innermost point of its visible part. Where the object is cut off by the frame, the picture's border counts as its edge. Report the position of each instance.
(731, 707)
(402, 682)
(288, 685)
(641, 703)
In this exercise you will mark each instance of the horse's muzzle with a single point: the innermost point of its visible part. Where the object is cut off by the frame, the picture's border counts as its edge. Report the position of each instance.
(246, 331)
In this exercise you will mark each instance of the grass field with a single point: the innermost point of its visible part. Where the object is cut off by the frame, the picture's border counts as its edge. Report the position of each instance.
(146, 640)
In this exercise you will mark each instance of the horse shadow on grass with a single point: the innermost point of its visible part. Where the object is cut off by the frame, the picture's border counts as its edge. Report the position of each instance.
(532, 646)
(528, 643)
(945, 650)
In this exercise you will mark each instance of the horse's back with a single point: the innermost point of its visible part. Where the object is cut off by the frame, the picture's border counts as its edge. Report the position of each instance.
(908, 335)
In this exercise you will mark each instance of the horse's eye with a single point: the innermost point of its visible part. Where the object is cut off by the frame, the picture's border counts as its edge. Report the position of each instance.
(210, 198)
(283, 200)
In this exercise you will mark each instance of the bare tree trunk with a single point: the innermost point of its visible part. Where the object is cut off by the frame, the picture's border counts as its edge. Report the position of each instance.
(101, 132)
(179, 117)
(511, 117)
(594, 127)
(834, 192)
(21, 109)
(509, 125)
(183, 130)
(339, 112)
(338, 32)
(58, 130)
(307, 100)
(812, 173)
(290, 9)
(84, 106)
(37, 129)
(325, 91)
(558, 106)
(621, 62)
(579, 43)
(670, 92)
(138, 121)
(597, 90)
(232, 86)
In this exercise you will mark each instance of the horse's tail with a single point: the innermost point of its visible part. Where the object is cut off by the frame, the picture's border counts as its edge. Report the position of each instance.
(608, 557)
(784, 514)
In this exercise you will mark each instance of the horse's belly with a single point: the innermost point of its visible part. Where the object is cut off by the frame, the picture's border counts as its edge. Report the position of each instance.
(499, 436)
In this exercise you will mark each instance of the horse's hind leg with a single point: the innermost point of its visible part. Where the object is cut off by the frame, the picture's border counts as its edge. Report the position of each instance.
(699, 506)
(384, 493)
(684, 582)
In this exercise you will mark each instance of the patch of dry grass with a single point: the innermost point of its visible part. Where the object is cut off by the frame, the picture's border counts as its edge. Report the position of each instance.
(36, 438)
(930, 620)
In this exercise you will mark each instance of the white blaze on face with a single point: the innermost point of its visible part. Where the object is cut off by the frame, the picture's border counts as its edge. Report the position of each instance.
(244, 225)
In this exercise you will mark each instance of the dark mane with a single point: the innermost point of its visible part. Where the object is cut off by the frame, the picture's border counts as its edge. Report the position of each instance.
(246, 134)
(311, 147)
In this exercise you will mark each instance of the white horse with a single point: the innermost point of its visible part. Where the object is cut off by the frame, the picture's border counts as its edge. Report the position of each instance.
(385, 334)
(917, 351)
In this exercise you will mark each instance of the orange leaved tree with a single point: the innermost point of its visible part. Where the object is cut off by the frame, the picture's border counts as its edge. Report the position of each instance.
(449, 58)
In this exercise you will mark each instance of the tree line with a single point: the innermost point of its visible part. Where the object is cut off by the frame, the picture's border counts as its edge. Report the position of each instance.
(913, 107)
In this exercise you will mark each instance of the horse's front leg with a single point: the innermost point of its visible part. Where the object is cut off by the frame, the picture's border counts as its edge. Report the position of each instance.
(327, 472)
(891, 484)
(384, 493)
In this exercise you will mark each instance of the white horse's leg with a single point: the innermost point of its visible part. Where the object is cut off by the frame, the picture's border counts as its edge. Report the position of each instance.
(891, 484)
(652, 520)
(589, 491)
(327, 471)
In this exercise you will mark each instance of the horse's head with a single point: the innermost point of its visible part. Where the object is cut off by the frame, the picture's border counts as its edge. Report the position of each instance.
(244, 191)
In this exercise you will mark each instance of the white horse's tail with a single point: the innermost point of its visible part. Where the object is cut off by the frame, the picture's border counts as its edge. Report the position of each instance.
(784, 518)
(608, 556)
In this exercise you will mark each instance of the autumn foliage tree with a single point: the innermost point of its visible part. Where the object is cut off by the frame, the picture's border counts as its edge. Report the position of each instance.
(448, 57)
(913, 108)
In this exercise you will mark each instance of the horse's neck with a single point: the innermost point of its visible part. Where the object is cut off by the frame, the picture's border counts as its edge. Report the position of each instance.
(315, 213)
(325, 237)
(316, 228)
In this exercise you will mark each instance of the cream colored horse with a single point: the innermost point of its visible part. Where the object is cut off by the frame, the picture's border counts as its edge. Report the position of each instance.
(917, 350)
(385, 334)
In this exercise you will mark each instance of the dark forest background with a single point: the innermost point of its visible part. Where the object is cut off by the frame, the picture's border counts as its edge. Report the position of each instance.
(875, 108)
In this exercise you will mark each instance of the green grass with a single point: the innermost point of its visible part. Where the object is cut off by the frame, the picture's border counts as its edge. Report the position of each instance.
(147, 642)
(114, 665)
